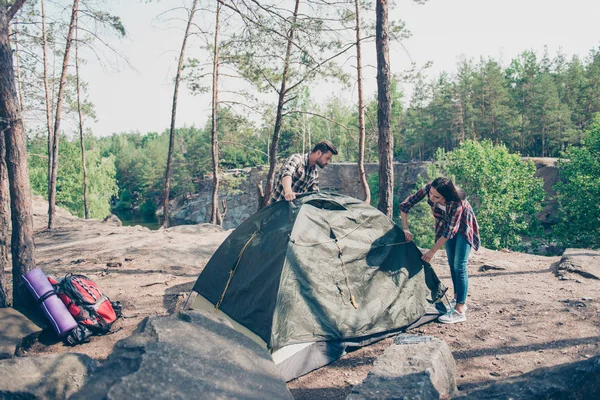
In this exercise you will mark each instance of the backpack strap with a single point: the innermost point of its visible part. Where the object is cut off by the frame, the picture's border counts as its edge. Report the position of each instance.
(81, 334)
(99, 302)
(118, 308)
(45, 296)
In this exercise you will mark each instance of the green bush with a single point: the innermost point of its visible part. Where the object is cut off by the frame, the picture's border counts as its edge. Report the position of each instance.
(578, 193)
(502, 189)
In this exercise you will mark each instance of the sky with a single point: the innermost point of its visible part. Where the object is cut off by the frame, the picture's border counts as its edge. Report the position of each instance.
(137, 96)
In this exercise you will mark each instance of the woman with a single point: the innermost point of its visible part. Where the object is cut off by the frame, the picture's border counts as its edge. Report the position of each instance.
(456, 227)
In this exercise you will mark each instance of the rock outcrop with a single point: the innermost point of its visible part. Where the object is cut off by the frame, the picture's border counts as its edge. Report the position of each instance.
(414, 367)
(14, 327)
(579, 380)
(112, 219)
(242, 200)
(583, 262)
(55, 376)
(240, 192)
(185, 356)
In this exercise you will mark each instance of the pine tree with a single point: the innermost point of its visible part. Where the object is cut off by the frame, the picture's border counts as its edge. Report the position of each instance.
(11, 124)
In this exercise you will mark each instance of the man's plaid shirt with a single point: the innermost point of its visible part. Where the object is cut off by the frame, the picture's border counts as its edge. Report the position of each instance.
(455, 216)
(304, 178)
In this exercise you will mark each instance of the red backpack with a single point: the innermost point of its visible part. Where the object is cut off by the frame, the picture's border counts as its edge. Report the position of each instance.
(93, 310)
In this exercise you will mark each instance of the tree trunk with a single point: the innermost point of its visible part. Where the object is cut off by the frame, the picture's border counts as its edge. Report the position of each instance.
(173, 115)
(461, 121)
(280, 104)
(362, 174)
(303, 133)
(384, 111)
(11, 125)
(47, 94)
(4, 221)
(18, 70)
(214, 218)
(221, 215)
(543, 140)
(522, 149)
(482, 124)
(310, 138)
(59, 102)
(81, 139)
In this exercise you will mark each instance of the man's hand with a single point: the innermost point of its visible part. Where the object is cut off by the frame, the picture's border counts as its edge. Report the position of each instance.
(407, 235)
(428, 256)
(290, 196)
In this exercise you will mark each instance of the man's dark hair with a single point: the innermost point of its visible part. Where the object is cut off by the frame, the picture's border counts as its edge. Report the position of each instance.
(446, 188)
(324, 146)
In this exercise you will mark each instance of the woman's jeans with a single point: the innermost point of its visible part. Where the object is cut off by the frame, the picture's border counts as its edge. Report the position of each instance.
(458, 250)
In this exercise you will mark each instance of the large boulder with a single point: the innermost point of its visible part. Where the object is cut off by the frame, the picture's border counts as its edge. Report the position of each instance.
(13, 329)
(579, 380)
(414, 367)
(583, 262)
(54, 377)
(546, 169)
(192, 354)
(241, 196)
(112, 219)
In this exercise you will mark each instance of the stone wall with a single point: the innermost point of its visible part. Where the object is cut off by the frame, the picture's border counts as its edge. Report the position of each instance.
(242, 201)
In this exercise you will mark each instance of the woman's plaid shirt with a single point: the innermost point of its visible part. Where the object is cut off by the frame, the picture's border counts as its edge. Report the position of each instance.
(456, 216)
(304, 178)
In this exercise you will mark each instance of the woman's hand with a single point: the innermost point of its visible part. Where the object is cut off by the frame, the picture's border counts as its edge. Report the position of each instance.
(407, 235)
(428, 256)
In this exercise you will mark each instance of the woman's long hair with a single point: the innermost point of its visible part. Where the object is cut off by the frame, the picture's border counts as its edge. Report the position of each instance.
(446, 188)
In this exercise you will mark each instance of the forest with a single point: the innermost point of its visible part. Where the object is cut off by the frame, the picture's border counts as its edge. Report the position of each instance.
(261, 63)
(507, 117)
(477, 102)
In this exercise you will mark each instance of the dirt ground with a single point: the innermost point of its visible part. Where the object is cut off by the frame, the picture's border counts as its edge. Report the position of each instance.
(521, 316)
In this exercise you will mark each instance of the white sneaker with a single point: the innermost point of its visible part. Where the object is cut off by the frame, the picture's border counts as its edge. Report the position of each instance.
(453, 317)
(453, 306)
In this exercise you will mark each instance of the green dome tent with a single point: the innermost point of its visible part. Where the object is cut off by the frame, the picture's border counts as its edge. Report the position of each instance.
(307, 279)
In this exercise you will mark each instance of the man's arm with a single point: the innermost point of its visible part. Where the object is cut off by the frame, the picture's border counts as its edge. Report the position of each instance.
(286, 182)
(315, 185)
(287, 171)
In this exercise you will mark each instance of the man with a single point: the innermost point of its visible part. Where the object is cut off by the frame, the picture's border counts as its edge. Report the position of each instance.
(299, 172)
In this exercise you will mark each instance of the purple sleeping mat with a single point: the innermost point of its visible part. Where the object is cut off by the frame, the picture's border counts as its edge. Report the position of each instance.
(62, 321)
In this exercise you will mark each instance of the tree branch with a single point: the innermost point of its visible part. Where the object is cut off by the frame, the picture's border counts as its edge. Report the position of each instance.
(267, 10)
(242, 104)
(14, 9)
(319, 65)
(318, 115)
(269, 81)
(243, 145)
(257, 23)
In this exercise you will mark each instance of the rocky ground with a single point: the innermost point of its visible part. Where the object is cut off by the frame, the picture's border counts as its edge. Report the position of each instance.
(521, 316)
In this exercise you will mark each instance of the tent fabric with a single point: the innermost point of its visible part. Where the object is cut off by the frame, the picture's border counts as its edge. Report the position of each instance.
(324, 267)
(307, 357)
(299, 359)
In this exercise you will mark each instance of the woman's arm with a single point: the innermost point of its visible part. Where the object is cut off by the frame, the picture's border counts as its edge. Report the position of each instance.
(407, 235)
(450, 229)
(409, 203)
